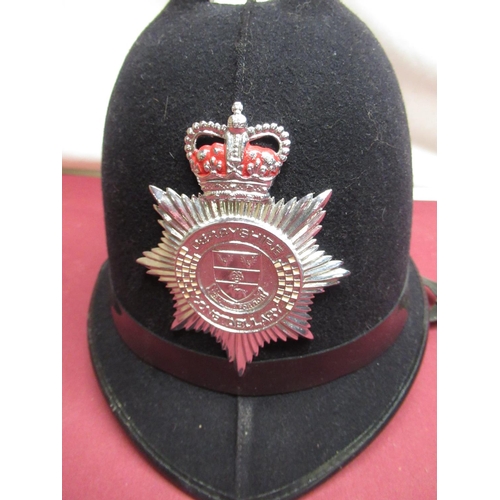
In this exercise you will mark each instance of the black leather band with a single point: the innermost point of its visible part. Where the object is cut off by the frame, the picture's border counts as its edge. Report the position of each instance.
(262, 377)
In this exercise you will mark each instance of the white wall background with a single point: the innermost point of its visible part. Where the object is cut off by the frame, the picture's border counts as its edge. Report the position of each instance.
(98, 34)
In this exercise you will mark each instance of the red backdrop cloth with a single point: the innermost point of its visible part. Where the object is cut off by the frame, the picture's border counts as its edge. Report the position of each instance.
(100, 461)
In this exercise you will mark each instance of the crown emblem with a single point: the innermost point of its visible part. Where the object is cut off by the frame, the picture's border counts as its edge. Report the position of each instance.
(236, 168)
(239, 265)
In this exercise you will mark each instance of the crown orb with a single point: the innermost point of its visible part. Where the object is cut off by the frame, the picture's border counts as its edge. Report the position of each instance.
(237, 107)
(237, 121)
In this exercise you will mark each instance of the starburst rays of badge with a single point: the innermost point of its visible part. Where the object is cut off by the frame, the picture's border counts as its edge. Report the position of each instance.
(296, 222)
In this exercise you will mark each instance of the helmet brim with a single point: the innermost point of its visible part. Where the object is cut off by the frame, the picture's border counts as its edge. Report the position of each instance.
(217, 445)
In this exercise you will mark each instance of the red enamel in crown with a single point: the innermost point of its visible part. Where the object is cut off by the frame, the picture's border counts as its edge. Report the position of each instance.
(237, 168)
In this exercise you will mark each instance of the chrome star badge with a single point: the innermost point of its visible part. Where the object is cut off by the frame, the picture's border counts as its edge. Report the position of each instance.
(240, 266)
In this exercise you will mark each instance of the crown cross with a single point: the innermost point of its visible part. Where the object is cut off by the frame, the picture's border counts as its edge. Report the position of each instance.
(236, 169)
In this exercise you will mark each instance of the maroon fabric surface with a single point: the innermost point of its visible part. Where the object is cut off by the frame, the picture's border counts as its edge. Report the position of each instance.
(100, 461)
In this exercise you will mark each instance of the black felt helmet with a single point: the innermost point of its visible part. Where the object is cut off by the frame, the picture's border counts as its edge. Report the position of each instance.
(316, 71)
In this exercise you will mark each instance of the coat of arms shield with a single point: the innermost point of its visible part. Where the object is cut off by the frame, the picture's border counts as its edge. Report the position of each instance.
(236, 273)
